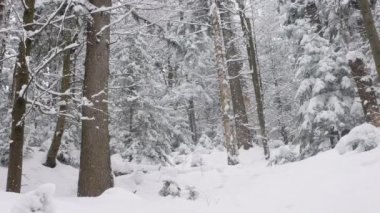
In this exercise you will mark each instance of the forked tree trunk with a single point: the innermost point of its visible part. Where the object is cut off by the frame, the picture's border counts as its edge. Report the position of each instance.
(252, 58)
(20, 82)
(95, 174)
(224, 88)
(60, 126)
(370, 28)
(366, 92)
(235, 65)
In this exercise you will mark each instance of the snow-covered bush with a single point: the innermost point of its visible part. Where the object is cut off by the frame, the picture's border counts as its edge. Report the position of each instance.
(119, 166)
(193, 194)
(283, 155)
(4, 154)
(37, 201)
(196, 160)
(206, 142)
(179, 159)
(138, 177)
(183, 149)
(170, 188)
(361, 138)
(274, 144)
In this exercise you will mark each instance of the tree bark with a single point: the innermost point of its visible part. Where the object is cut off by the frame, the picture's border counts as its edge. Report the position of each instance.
(60, 126)
(95, 174)
(192, 121)
(256, 79)
(366, 92)
(224, 88)
(20, 81)
(234, 65)
(372, 35)
(2, 37)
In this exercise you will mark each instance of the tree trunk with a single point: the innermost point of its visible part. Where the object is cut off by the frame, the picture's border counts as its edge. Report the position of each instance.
(95, 174)
(2, 36)
(370, 28)
(20, 82)
(224, 88)
(60, 126)
(2, 12)
(252, 58)
(234, 65)
(192, 122)
(366, 92)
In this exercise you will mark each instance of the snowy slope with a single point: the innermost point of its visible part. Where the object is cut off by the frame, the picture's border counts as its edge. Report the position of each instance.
(326, 183)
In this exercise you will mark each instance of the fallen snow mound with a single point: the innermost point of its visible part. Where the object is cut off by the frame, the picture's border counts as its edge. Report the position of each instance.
(361, 138)
(37, 201)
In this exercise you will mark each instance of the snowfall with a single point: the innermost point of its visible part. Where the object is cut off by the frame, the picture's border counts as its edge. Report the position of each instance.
(341, 180)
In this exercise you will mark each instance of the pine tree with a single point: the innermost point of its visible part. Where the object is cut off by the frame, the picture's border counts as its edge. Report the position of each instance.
(326, 92)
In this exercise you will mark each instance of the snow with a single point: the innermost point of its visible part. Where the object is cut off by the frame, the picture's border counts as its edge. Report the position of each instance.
(22, 90)
(328, 183)
(361, 138)
(353, 55)
(37, 201)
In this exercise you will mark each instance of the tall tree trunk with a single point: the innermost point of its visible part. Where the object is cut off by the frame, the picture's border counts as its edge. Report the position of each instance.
(370, 28)
(2, 36)
(224, 88)
(234, 65)
(2, 12)
(20, 82)
(252, 58)
(95, 167)
(60, 126)
(192, 121)
(366, 92)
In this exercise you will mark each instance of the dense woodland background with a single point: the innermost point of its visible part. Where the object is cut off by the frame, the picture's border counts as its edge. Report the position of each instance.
(83, 80)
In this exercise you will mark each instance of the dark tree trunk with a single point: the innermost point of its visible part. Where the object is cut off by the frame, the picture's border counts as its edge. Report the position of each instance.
(2, 36)
(95, 174)
(20, 82)
(192, 121)
(256, 79)
(366, 92)
(370, 28)
(60, 126)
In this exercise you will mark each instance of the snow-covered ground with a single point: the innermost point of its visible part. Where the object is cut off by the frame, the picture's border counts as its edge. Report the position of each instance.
(327, 183)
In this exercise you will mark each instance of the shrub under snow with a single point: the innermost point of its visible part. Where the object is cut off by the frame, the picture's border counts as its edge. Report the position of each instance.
(170, 188)
(361, 138)
(283, 155)
(37, 201)
(119, 166)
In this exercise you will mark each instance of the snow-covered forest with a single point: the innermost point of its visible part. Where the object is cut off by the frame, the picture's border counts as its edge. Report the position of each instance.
(189, 106)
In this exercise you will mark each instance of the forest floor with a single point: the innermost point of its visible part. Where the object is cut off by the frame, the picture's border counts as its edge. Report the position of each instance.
(326, 183)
